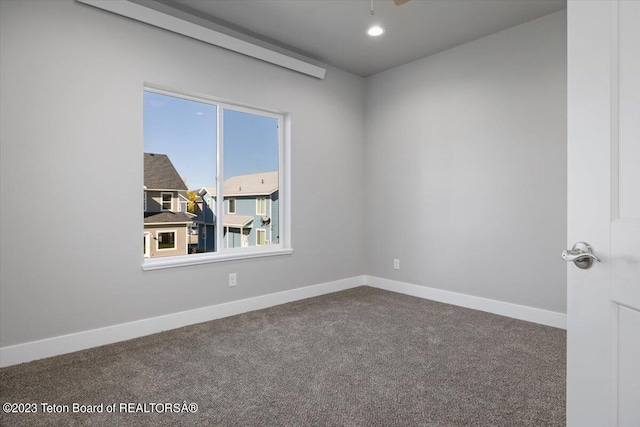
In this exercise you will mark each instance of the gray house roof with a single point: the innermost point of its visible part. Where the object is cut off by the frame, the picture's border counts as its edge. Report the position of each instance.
(159, 173)
(167, 217)
(255, 184)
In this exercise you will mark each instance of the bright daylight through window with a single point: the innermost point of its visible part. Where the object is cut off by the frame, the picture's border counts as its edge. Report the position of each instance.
(184, 138)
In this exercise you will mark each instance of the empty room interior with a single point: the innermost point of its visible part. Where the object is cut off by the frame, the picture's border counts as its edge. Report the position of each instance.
(388, 246)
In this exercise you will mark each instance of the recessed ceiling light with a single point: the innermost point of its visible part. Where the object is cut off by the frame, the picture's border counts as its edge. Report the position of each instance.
(375, 31)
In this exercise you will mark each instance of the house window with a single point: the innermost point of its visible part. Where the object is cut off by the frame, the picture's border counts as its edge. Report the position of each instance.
(261, 206)
(242, 154)
(166, 240)
(167, 201)
(144, 201)
(261, 237)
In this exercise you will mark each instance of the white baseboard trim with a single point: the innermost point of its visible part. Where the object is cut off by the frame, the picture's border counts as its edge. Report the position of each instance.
(521, 312)
(20, 353)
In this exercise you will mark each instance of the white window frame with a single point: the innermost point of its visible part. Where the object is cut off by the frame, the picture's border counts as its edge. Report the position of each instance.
(283, 247)
(235, 206)
(144, 201)
(175, 240)
(162, 201)
(262, 231)
(264, 206)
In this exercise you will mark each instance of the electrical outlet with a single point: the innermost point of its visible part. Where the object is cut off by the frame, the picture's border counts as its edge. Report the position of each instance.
(233, 279)
(396, 264)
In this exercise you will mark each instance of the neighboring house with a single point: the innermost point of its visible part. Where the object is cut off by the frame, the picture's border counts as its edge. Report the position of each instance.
(183, 202)
(166, 227)
(250, 209)
(205, 208)
(192, 232)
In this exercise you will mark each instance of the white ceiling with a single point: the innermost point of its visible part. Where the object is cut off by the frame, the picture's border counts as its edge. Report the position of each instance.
(333, 31)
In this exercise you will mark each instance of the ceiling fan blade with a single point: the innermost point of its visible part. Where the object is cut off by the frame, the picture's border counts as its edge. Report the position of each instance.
(400, 2)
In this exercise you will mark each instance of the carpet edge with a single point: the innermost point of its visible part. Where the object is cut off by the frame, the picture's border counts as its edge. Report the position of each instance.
(82, 340)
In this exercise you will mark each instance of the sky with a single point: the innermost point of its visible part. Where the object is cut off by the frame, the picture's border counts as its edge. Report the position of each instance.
(185, 131)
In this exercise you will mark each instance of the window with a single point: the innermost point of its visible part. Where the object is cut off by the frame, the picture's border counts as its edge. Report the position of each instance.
(144, 201)
(261, 206)
(167, 201)
(261, 237)
(166, 240)
(234, 158)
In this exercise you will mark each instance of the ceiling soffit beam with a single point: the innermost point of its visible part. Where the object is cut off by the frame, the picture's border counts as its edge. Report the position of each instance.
(176, 25)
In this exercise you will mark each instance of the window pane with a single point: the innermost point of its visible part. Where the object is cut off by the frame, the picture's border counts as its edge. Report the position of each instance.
(251, 153)
(167, 240)
(167, 201)
(261, 205)
(180, 149)
(181, 181)
(261, 237)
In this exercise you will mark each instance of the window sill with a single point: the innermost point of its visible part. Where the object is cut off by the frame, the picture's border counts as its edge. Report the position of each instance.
(195, 259)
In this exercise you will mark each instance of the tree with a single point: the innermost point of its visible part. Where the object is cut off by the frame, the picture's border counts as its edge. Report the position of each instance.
(193, 196)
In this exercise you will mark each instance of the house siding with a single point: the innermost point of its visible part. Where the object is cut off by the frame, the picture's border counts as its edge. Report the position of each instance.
(181, 239)
(154, 201)
(208, 243)
(154, 204)
(208, 219)
(275, 220)
(232, 238)
(246, 205)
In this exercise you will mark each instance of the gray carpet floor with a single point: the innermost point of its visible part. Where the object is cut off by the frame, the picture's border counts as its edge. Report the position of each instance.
(361, 357)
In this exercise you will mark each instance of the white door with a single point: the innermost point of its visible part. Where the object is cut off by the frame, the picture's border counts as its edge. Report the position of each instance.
(147, 245)
(245, 240)
(603, 312)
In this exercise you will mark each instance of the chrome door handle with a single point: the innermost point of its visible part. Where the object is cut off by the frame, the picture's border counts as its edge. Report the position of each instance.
(581, 255)
(571, 255)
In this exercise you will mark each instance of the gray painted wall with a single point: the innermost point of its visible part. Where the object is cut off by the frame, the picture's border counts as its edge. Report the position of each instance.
(465, 152)
(466, 168)
(71, 170)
